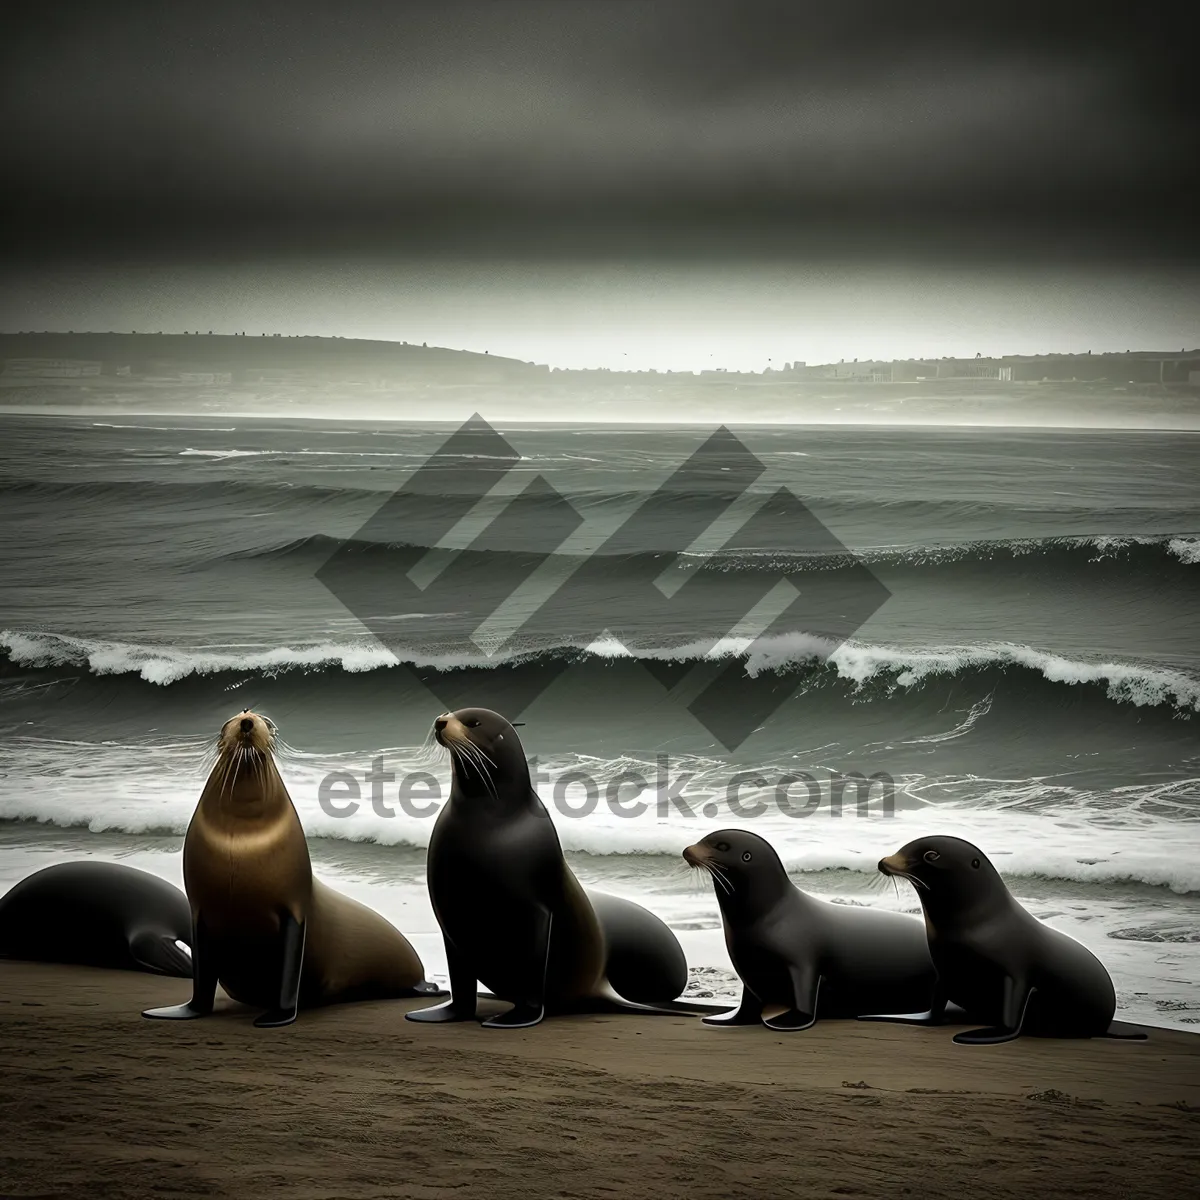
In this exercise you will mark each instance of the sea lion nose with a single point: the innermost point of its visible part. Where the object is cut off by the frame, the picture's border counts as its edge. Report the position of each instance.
(440, 723)
(247, 724)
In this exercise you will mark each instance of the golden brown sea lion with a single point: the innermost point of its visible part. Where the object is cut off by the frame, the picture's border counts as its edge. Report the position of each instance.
(262, 926)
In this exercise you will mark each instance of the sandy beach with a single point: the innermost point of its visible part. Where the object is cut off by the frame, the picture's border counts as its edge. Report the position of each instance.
(353, 1101)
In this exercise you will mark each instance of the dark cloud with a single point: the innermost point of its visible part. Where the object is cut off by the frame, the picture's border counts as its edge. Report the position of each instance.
(569, 127)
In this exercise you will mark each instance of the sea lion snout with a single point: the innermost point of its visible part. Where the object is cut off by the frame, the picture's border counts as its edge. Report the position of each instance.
(696, 855)
(893, 864)
(247, 731)
(448, 729)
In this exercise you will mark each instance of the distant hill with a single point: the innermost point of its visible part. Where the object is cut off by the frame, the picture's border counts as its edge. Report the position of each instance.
(210, 358)
(183, 355)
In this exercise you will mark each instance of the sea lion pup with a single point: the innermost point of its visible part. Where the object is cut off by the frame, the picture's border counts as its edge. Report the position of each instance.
(814, 958)
(994, 959)
(98, 914)
(513, 915)
(262, 926)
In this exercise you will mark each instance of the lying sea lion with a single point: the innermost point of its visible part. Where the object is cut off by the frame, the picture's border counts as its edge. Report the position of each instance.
(97, 914)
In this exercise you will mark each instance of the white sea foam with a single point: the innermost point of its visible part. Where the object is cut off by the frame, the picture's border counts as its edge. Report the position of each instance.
(860, 663)
(1186, 549)
(1099, 838)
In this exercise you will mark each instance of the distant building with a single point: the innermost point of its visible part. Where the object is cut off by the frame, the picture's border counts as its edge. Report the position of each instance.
(205, 377)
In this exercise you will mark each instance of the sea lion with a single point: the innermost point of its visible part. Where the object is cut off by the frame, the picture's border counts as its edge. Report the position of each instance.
(512, 913)
(98, 914)
(994, 959)
(814, 958)
(262, 926)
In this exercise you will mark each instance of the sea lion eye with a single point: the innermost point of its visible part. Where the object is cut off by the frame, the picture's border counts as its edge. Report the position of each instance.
(975, 863)
(747, 856)
(931, 856)
(471, 724)
(722, 846)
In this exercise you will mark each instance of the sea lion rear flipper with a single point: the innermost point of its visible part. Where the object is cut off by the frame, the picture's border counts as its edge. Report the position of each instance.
(806, 989)
(160, 954)
(426, 988)
(292, 936)
(748, 1012)
(1013, 1012)
(204, 981)
(935, 1015)
(1123, 1031)
(608, 1000)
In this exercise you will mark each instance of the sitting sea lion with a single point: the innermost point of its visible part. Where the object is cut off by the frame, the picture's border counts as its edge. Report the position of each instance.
(263, 927)
(513, 915)
(97, 914)
(994, 959)
(811, 957)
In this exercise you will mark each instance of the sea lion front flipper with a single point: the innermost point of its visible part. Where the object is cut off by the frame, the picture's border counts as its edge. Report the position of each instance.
(292, 936)
(748, 1012)
(806, 988)
(463, 997)
(1016, 1004)
(204, 981)
(531, 1011)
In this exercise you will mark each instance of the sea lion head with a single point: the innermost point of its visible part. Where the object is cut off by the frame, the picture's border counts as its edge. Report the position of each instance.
(949, 874)
(486, 755)
(247, 733)
(746, 870)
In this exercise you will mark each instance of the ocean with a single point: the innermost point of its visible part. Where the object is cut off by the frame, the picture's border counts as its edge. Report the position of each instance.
(1031, 680)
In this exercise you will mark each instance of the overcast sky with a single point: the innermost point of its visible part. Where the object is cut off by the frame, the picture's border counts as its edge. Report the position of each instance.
(652, 140)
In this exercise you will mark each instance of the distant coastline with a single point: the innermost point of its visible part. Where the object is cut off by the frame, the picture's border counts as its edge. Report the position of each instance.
(192, 357)
(129, 374)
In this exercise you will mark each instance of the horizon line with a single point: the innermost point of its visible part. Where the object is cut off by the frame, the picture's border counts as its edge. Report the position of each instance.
(1183, 353)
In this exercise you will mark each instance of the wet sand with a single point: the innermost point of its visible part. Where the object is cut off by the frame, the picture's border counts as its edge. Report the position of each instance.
(354, 1101)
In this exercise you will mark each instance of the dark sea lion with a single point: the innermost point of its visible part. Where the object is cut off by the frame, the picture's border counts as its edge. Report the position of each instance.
(995, 960)
(512, 913)
(262, 926)
(813, 958)
(97, 914)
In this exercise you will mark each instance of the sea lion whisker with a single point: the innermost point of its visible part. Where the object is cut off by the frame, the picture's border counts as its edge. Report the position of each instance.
(461, 753)
(475, 755)
(467, 750)
(911, 879)
(483, 754)
(722, 874)
(712, 869)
